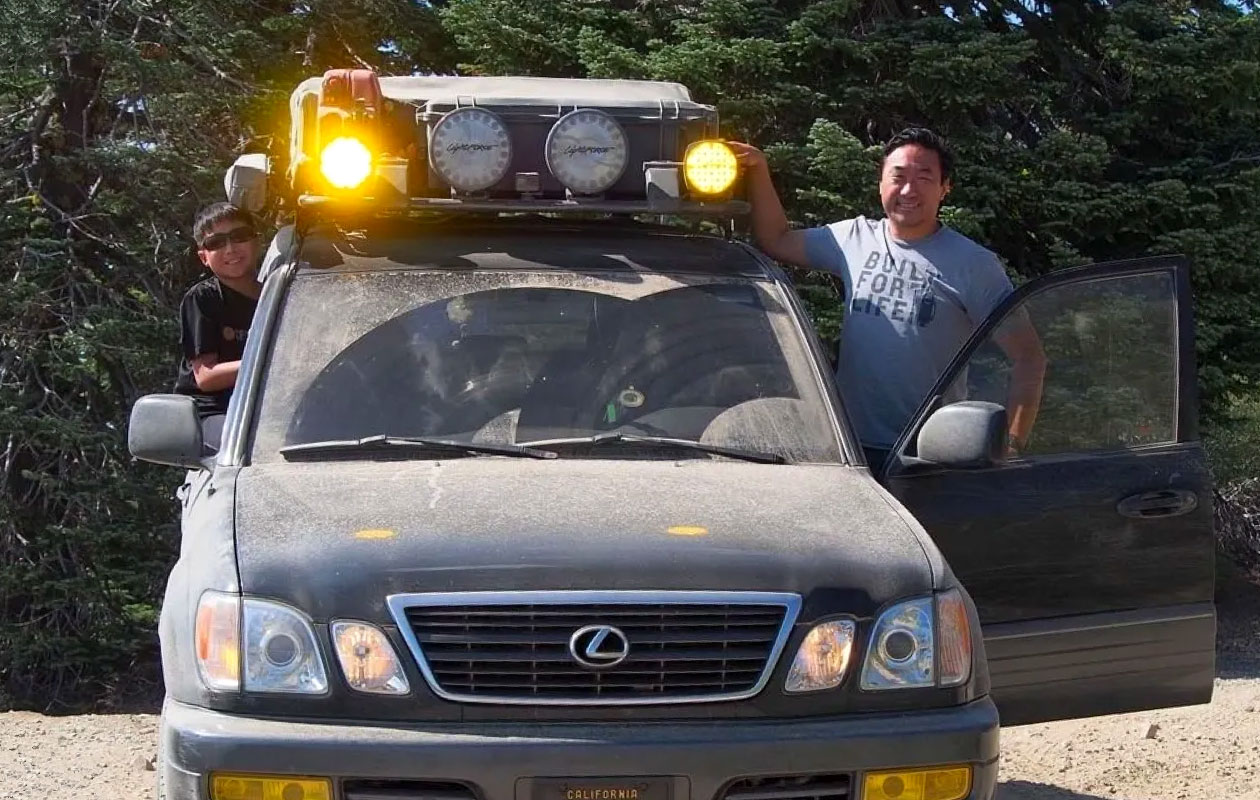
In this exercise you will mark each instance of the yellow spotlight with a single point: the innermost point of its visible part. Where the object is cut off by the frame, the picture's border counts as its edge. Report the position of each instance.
(234, 786)
(710, 167)
(345, 162)
(940, 783)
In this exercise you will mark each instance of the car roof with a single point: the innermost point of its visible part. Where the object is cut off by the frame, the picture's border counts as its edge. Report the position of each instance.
(529, 243)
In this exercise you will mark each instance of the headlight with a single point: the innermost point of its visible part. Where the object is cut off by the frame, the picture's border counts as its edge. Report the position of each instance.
(218, 640)
(280, 650)
(901, 653)
(368, 659)
(823, 657)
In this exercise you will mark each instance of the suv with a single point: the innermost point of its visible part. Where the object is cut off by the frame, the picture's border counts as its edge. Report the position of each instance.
(518, 503)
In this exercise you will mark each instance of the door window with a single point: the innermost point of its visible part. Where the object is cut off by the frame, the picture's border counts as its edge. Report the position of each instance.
(1110, 377)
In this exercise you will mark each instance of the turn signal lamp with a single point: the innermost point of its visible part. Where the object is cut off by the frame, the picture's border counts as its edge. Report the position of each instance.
(941, 783)
(345, 162)
(710, 167)
(232, 786)
(954, 653)
(218, 640)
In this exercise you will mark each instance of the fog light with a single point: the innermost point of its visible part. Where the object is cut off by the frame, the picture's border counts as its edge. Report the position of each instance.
(368, 659)
(939, 783)
(823, 657)
(231, 786)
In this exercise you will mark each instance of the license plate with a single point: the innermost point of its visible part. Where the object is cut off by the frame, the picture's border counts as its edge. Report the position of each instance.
(632, 788)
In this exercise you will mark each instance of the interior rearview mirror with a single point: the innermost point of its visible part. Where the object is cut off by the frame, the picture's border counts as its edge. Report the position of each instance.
(164, 429)
(966, 435)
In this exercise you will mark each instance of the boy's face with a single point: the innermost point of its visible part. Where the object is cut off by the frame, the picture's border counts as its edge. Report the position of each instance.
(227, 257)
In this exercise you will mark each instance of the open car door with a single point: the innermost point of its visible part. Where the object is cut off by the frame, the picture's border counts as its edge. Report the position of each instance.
(1089, 553)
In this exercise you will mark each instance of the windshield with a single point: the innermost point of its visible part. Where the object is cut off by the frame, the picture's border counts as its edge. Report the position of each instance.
(523, 357)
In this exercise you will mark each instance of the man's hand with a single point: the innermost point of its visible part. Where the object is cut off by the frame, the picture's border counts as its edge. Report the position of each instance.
(770, 226)
(749, 157)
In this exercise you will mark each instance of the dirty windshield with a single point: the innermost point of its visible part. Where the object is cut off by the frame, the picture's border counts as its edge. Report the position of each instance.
(505, 357)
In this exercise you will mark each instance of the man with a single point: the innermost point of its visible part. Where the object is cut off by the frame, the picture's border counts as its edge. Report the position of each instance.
(216, 313)
(915, 290)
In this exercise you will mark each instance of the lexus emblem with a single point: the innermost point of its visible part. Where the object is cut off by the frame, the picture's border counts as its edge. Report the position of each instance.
(599, 646)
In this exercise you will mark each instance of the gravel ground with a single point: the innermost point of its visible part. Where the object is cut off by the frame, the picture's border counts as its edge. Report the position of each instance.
(1210, 751)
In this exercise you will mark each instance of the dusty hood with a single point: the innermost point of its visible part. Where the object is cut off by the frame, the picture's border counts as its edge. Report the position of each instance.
(335, 538)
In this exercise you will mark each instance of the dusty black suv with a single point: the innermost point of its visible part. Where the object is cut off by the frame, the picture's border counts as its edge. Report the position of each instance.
(551, 508)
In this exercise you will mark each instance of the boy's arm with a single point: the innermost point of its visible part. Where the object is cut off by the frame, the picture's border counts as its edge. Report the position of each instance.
(769, 222)
(211, 376)
(199, 337)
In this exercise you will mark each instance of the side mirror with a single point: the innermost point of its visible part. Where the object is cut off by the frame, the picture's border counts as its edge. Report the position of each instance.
(968, 435)
(164, 429)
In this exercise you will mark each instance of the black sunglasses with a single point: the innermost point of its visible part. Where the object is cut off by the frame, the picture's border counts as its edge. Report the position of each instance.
(218, 241)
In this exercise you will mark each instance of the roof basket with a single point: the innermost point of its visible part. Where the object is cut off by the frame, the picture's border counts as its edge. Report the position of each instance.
(477, 144)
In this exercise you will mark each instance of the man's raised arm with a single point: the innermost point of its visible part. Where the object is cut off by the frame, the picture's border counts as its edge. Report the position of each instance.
(770, 225)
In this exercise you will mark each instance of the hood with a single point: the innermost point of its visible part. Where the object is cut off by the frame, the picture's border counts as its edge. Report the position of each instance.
(335, 538)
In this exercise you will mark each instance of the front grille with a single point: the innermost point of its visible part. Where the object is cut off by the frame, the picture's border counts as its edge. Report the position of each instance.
(405, 790)
(794, 787)
(505, 651)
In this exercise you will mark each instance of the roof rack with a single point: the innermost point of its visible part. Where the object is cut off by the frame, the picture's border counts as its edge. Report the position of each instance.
(440, 144)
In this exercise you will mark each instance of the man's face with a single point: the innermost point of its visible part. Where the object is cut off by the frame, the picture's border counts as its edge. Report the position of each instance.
(911, 189)
(230, 249)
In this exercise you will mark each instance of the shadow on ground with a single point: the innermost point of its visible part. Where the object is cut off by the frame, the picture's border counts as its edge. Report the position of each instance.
(1237, 626)
(1027, 790)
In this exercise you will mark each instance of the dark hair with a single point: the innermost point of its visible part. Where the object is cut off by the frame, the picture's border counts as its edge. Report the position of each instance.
(924, 138)
(215, 213)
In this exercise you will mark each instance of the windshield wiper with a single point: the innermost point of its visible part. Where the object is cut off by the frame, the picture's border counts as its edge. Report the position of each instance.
(419, 443)
(661, 441)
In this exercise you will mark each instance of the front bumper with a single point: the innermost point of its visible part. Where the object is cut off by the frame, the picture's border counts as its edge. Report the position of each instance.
(497, 759)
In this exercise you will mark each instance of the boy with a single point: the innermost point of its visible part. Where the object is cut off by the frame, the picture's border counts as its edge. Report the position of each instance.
(216, 313)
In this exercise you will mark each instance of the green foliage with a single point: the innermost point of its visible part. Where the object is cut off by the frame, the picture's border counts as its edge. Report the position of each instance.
(1084, 132)
(116, 122)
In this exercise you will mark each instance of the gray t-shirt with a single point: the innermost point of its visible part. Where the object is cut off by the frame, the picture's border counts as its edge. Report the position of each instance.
(909, 306)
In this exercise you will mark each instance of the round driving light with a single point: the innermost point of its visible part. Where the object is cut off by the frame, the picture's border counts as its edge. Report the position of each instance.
(587, 151)
(898, 646)
(345, 162)
(894, 786)
(280, 649)
(293, 791)
(470, 149)
(710, 167)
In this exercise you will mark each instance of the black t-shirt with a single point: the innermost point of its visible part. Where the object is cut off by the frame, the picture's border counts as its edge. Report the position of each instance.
(214, 319)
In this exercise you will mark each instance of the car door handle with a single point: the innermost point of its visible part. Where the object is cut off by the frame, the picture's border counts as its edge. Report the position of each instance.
(1159, 503)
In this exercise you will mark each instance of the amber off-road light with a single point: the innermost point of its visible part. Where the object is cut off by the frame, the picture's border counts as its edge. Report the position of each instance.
(345, 163)
(710, 168)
